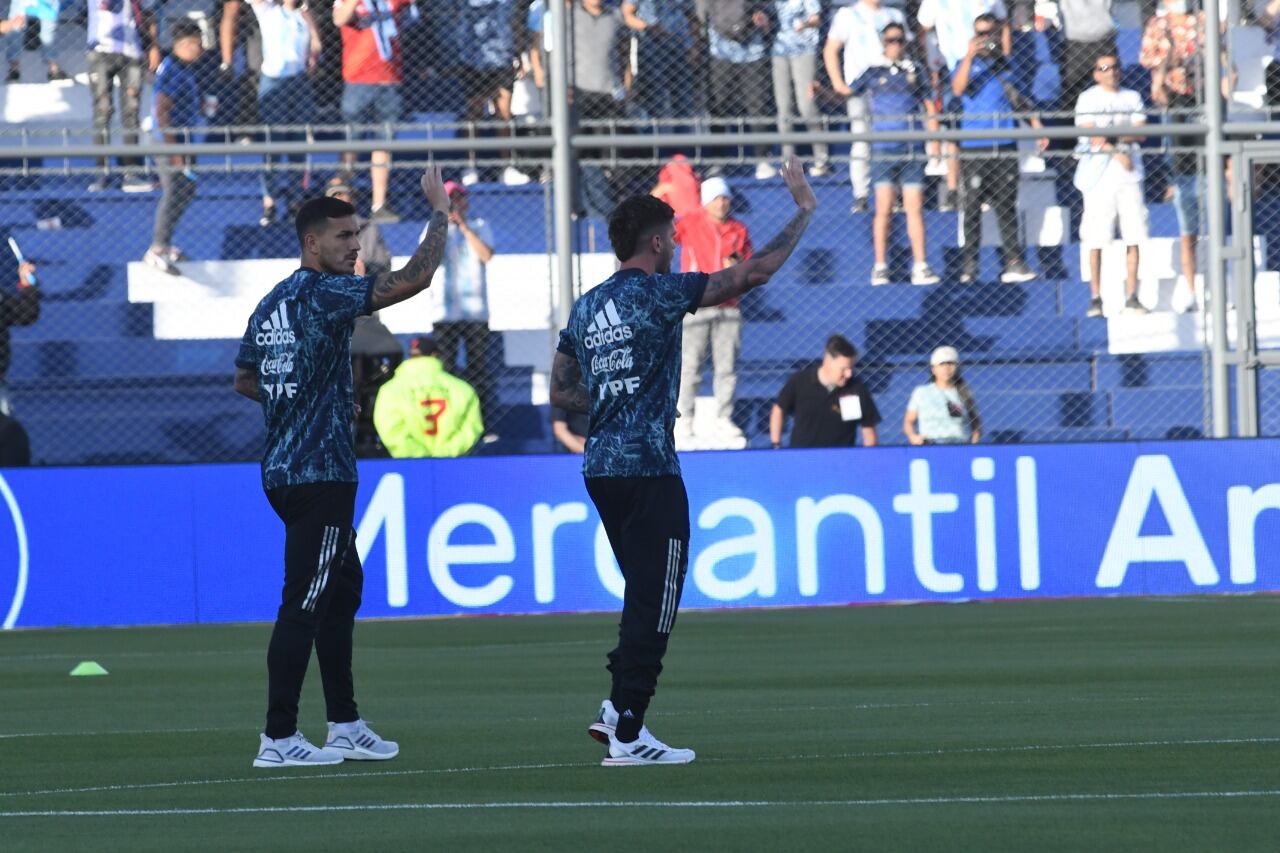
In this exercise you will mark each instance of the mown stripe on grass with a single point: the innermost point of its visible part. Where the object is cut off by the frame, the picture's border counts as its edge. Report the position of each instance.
(985, 799)
(322, 775)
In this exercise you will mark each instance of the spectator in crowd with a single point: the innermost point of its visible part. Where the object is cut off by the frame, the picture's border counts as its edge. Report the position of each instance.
(463, 330)
(679, 186)
(596, 64)
(375, 257)
(853, 45)
(1109, 175)
(489, 33)
(122, 46)
(176, 105)
(947, 27)
(18, 307)
(15, 446)
(664, 50)
(537, 26)
(290, 50)
(425, 411)
(896, 90)
(943, 411)
(239, 30)
(988, 90)
(1172, 44)
(795, 60)
(829, 404)
(1088, 32)
(710, 241)
(738, 34)
(372, 74)
(570, 430)
(46, 12)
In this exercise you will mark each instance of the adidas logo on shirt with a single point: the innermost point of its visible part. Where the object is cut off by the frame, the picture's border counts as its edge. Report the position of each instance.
(276, 329)
(608, 329)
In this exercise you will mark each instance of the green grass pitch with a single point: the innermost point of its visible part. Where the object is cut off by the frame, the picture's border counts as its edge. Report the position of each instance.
(1066, 725)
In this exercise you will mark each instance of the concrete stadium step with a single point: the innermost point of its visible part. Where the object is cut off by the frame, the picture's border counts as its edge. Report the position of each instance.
(1160, 412)
(124, 437)
(118, 359)
(1151, 370)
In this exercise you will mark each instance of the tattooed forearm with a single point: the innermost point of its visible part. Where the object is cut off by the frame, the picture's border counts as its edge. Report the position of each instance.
(567, 389)
(415, 277)
(759, 268)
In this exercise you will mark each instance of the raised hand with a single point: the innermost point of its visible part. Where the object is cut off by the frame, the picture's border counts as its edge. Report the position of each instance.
(433, 189)
(793, 176)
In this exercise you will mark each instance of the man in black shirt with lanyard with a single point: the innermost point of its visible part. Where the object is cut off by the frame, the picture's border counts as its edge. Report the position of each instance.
(829, 405)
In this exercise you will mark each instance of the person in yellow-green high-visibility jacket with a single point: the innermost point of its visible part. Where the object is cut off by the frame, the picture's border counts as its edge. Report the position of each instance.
(423, 410)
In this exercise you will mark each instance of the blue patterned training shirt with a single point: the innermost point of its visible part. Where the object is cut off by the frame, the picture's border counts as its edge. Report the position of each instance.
(626, 335)
(299, 343)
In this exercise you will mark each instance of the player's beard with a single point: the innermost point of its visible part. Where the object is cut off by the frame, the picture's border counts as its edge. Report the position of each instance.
(663, 265)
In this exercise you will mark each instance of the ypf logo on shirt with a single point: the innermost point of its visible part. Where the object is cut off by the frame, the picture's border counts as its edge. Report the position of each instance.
(275, 330)
(608, 329)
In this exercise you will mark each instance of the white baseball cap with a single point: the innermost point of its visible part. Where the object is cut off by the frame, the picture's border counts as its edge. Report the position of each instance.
(713, 188)
(945, 355)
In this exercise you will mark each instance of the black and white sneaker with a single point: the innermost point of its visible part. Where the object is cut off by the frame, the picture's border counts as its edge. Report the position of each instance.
(1133, 306)
(605, 723)
(645, 749)
(1095, 307)
(1016, 272)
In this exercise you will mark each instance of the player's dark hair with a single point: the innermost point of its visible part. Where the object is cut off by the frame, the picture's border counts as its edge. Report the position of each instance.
(425, 345)
(185, 28)
(319, 211)
(987, 18)
(637, 219)
(892, 25)
(838, 346)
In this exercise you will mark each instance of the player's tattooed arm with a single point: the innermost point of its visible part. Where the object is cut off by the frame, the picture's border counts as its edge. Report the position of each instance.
(568, 391)
(247, 383)
(759, 268)
(415, 277)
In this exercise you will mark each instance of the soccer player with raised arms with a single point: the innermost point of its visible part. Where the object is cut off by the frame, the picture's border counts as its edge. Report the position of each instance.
(619, 361)
(295, 359)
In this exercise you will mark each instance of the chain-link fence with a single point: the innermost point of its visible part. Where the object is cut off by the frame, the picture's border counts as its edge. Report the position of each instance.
(1024, 184)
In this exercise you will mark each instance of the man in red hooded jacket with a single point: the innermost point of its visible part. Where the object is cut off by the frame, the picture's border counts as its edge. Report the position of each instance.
(710, 240)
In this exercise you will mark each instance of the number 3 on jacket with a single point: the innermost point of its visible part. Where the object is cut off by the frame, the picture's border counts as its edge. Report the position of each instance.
(433, 410)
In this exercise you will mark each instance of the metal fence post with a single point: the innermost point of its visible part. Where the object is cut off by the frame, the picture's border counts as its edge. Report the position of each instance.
(1215, 201)
(562, 161)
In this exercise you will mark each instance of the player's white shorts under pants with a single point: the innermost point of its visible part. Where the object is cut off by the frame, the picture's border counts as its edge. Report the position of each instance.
(1103, 206)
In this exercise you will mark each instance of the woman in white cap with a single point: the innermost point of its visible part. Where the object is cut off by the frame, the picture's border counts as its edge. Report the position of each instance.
(943, 411)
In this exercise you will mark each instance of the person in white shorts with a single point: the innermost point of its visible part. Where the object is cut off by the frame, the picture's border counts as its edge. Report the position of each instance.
(1109, 176)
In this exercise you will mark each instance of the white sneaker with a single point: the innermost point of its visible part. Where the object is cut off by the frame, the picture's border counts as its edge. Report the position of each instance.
(880, 274)
(726, 428)
(645, 749)
(513, 177)
(359, 742)
(765, 170)
(605, 723)
(820, 169)
(924, 274)
(161, 261)
(294, 751)
(470, 176)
